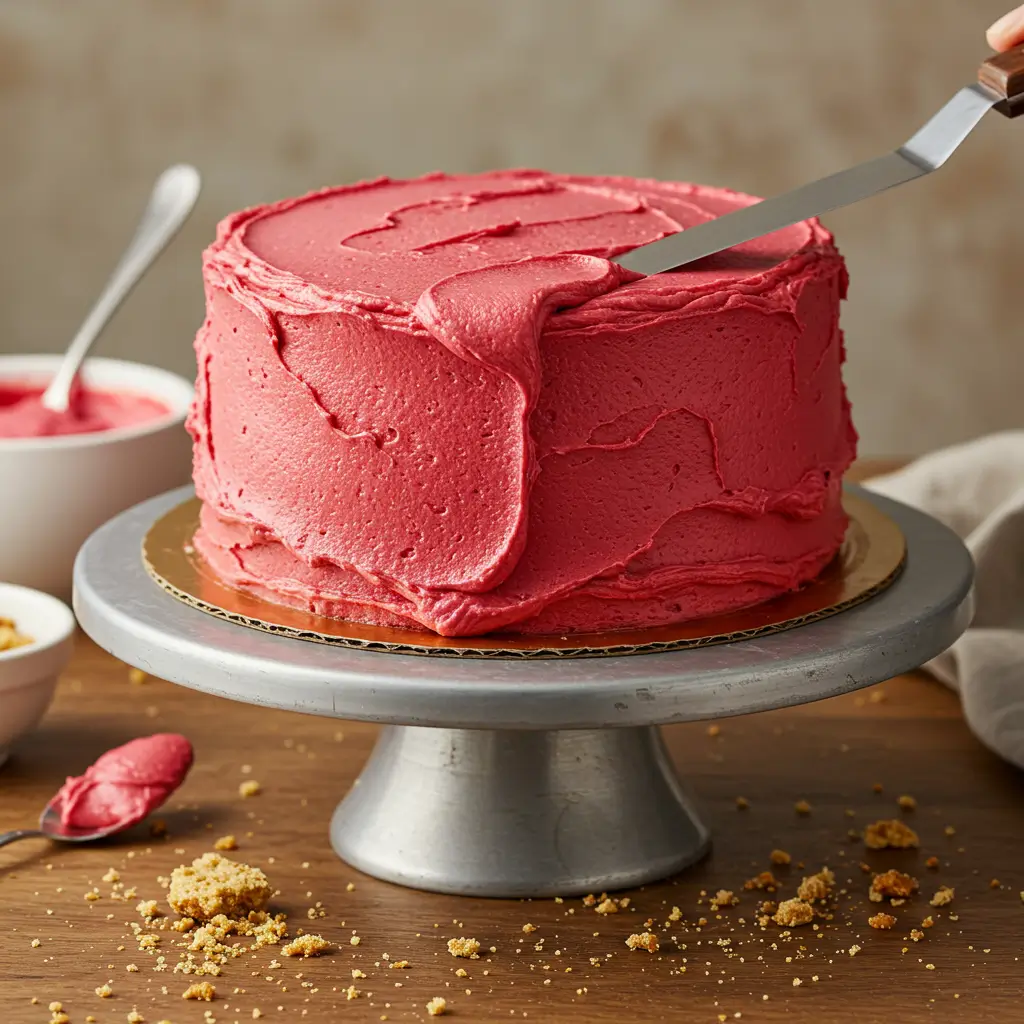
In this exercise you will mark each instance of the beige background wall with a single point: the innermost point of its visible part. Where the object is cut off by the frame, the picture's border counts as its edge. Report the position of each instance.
(275, 97)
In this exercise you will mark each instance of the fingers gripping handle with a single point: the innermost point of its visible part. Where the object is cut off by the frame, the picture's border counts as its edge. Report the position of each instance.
(1004, 75)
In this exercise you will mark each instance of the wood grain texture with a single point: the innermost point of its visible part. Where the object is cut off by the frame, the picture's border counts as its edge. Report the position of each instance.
(907, 735)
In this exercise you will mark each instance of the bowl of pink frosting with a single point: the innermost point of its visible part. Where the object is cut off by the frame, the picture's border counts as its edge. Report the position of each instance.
(63, 475)
(29, 671)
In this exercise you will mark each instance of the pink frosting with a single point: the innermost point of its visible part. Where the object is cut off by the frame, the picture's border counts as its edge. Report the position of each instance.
(125, 784)
(437, 403)
(22, 413)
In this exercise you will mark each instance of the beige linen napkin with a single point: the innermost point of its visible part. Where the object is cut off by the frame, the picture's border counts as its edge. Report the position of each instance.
(977, 489)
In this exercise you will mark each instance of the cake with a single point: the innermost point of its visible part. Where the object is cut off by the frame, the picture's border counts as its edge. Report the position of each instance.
(436, 404)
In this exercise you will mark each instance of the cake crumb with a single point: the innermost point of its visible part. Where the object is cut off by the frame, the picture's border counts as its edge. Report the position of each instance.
(916, 934)
(817, 887)
(199, 990)
(148, 909)
(723, 898)
(853, 950)
(104, 991)
(793, 913)
(607, 906)
(765, 881)
(137, 677)
(943, 896)
(891, 884)
(906, 803)
(882, 921)
(932, 863)
(928, 922)
(398, 965)
(643, 940)
(111, 876)
(714, 730)
(134, 1017)
(226, 843)
(780, 858)
(802, 807)
(132, 968)
(742, 803)
(437, 1006)
(890, 834)
(36, 943)
(528, 928)
(248, 788)
(215, 885)
(797, 983)
(468, 948)
(306, 946)
(352, 992)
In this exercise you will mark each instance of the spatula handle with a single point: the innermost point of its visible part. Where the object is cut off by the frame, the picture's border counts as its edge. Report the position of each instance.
(1004, 74)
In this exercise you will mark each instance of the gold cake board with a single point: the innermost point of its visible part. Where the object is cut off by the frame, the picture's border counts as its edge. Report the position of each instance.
(870, 559)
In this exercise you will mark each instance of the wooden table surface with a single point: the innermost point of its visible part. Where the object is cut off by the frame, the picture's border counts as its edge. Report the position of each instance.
(907, 735)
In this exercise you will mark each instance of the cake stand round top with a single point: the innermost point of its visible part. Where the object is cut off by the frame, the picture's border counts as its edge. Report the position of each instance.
(918, 616)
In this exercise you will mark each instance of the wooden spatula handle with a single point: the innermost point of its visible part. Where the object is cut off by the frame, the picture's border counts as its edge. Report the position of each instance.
(1004, 74)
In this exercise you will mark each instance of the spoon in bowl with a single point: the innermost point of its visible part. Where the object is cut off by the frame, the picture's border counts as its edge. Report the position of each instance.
(171, 201)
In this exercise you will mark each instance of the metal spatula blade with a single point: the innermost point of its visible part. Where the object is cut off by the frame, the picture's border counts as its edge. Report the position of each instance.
(1000, 84)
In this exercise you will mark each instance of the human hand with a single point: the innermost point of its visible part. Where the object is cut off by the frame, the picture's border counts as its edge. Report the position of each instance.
(1008, 31)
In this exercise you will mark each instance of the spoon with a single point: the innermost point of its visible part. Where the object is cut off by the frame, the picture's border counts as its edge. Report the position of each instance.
(51, 828)
(170, 203)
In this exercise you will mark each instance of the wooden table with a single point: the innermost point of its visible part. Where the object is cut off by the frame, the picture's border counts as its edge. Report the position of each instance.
(908, 736)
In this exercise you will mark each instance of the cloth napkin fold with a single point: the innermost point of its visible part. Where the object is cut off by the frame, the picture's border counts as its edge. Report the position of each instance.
(977, 489)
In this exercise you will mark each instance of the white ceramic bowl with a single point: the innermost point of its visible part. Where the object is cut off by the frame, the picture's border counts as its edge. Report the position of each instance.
(54, 491)
(28, 674)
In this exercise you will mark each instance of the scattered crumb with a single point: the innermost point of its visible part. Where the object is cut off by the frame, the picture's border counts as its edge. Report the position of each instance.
(906, 803)
(398, 965)
(158, 828)
(148, 908)
(136, 676)
(853, 950)
(199, 990)
(994, 883)
(528, 928)
(882, 921)
(876, 788)
(111, 876)
(916, 934)
(802, 807)
(36, 943)
(943, 896)
(468, 948)
(215, 885)
(932, 863)
(797, 983)
(928, 922)
(780, 858)
(793, 913)
(226, 843)
(437, 1006)
(714, 730)
(607, 906)
(890, 833)
(352, 992)
(355, 940)
(949, 831)
(306, 946)
(249, 788)
(765, 880)
(891, 884)
(134, 1017)
(104, 991)
(643, 940)
(742, 803)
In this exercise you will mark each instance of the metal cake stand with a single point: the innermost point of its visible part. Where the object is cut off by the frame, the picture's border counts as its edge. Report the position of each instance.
(520, 777)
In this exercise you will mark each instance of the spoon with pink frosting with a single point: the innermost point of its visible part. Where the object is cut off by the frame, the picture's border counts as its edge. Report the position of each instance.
(118, 791)
(170, 203)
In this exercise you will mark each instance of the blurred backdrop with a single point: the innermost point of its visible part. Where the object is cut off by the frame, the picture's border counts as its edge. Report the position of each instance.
(271, 98)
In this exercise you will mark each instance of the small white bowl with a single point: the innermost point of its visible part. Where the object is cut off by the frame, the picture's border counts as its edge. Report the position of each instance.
(54, 491)
(28, 674)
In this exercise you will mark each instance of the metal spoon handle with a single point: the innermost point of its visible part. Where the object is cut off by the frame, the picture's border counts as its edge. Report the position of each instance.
(171, 201)
(20, 833)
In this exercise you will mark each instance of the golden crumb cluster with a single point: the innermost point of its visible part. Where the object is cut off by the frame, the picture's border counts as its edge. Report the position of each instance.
(890, 834)
(780, 858)
(818, 886)
(468, 948)
(10, 637)
(199, 990)
(306, 945)
(882, 921)
(793, 913)
(943, 896)
(643, 940)
(214, 885)
(437, 1006)
(891, 885)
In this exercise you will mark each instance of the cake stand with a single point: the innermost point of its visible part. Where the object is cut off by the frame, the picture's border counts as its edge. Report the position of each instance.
(505, 777)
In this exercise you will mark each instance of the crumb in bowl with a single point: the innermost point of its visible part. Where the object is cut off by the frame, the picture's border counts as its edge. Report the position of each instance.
(10, 637)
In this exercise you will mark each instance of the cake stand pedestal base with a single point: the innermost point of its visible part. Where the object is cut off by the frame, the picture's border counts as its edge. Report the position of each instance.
(511, 777)
(502, 813)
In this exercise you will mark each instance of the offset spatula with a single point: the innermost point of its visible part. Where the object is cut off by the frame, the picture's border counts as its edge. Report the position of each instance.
(1000, 86)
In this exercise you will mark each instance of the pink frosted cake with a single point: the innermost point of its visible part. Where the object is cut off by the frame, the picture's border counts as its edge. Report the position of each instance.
(436, 404)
